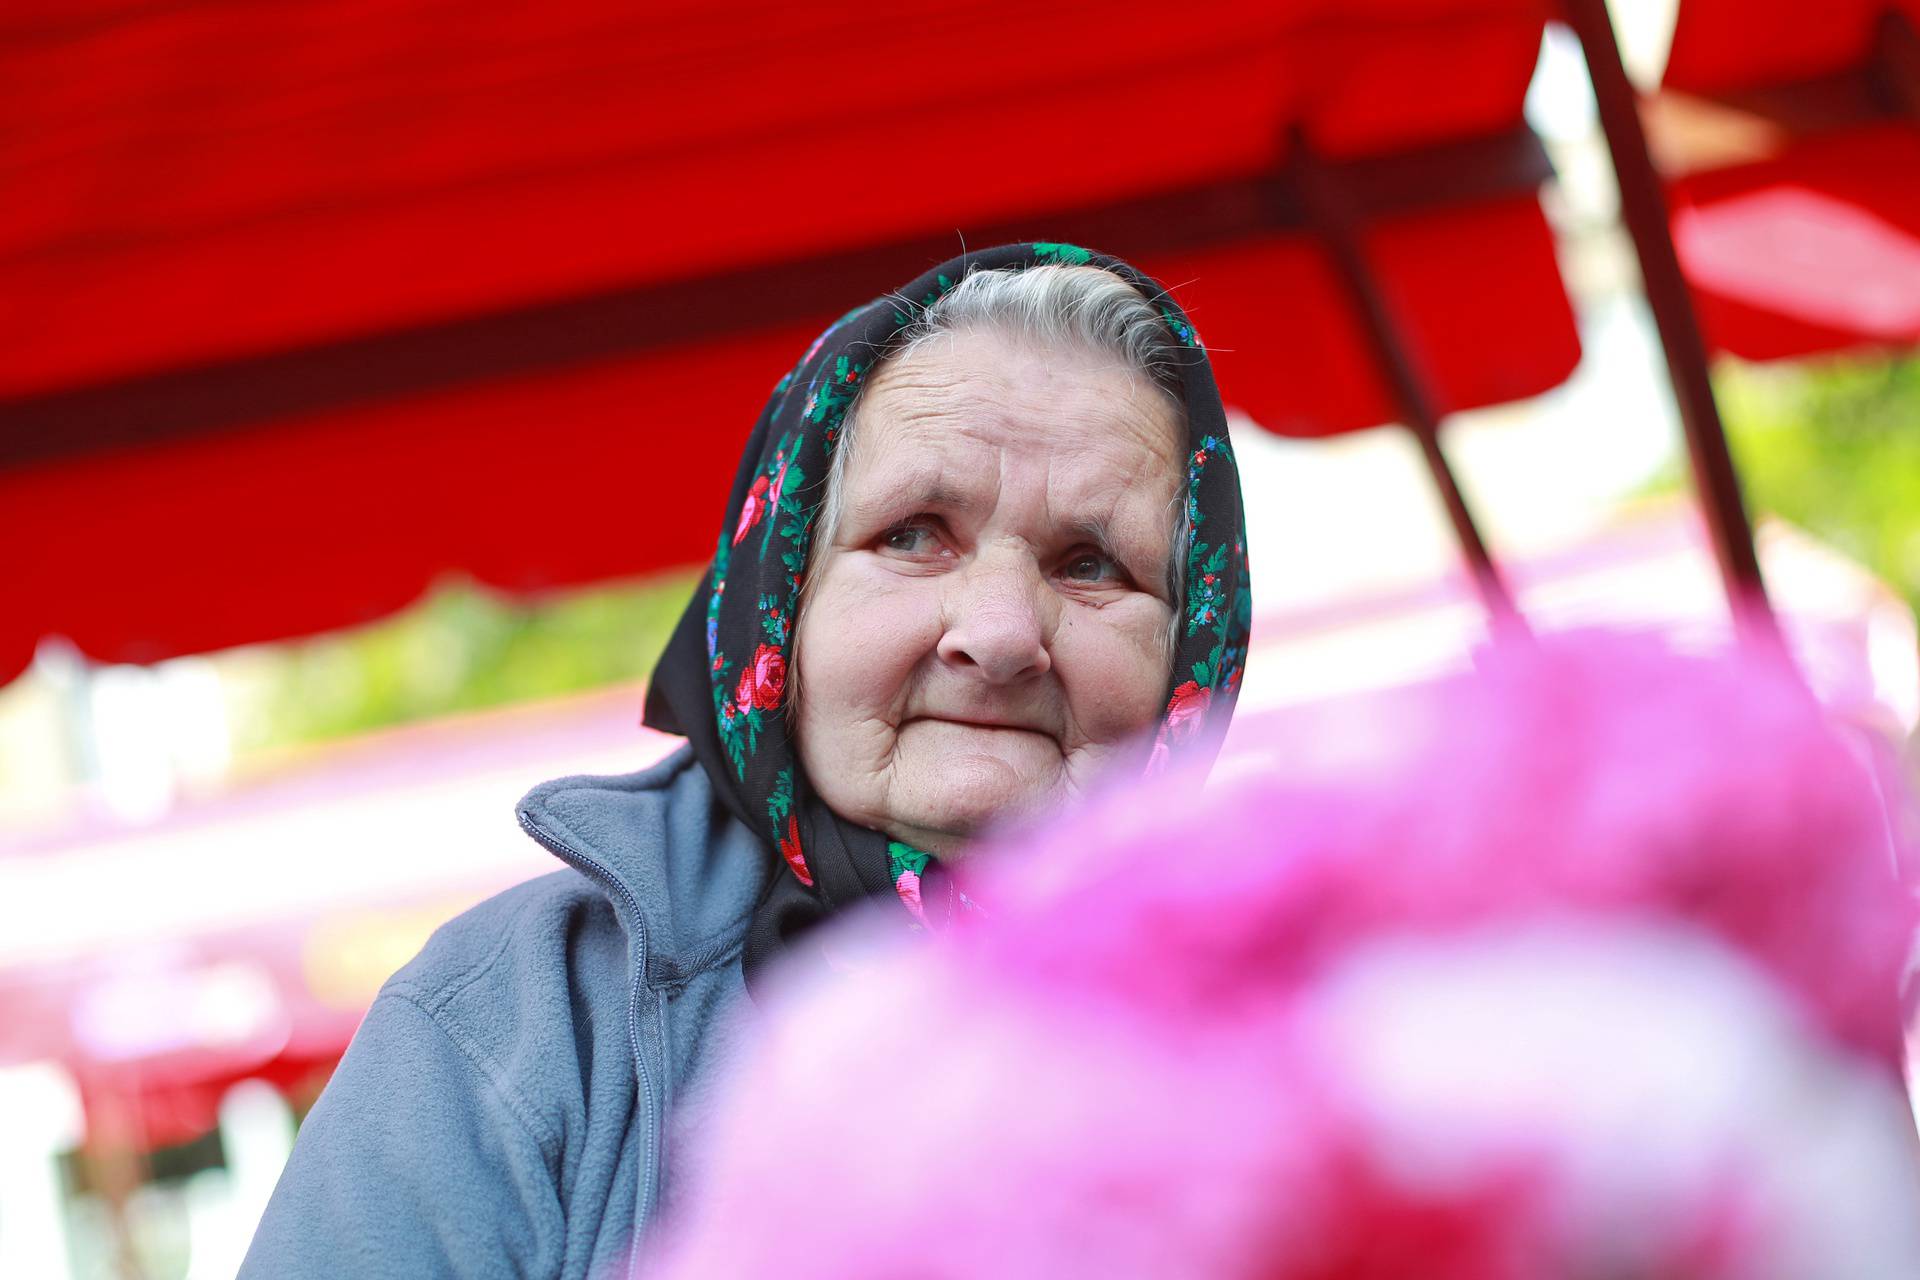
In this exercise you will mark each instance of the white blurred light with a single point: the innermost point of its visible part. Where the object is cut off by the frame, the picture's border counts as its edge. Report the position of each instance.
(132, 754)
(1559, 103)
(155, 1008)
(1893, 657)
(224, 1206)
(40, 1117)
(193, 700)
(1644, 30)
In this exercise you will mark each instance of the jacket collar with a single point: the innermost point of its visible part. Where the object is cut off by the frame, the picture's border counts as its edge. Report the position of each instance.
(683, 875)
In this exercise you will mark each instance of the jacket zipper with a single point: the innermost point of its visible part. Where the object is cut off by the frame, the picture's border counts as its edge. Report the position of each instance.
(573, 857)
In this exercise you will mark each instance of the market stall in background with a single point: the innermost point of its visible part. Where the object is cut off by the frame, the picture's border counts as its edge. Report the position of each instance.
(347, 369)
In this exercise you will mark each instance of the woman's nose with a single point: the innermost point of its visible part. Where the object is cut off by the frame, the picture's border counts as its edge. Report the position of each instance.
(996, 620)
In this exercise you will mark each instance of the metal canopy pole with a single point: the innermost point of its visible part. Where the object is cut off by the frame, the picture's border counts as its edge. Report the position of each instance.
(1893, 70)
(1643, 208)
(1332, 215)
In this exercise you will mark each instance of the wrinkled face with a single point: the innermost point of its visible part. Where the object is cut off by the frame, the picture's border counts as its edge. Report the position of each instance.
(989, 628)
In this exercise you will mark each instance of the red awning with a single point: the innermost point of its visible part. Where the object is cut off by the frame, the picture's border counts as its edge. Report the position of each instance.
(1814, 246)
(302, 306)
(1723, 47)
(1815, 250)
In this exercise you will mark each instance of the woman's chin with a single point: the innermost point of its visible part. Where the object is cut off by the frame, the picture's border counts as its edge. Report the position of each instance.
(949, 800)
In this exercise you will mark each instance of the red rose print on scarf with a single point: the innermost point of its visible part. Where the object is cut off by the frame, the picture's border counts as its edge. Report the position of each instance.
(908, 887)
(1185, 710)
(768, 675)
(790, 850)
(750, 509)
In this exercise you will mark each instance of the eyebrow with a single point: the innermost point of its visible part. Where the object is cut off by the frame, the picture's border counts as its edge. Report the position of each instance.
(1098, 533)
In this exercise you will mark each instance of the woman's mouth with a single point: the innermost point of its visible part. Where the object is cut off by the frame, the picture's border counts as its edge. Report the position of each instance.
(991, 723)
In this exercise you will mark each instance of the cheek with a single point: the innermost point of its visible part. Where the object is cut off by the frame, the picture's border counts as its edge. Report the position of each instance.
(863, 635)
(1115, 669)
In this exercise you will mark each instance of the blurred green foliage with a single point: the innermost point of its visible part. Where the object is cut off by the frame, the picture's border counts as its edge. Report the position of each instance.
(1834, 447)
(460, 648)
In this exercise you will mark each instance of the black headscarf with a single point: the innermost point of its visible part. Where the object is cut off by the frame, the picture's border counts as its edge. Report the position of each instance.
(723, 677)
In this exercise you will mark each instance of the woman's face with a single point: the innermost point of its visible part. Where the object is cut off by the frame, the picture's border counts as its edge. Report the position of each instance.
(989, 628)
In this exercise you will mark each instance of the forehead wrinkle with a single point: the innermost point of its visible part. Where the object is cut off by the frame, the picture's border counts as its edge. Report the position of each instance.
(1099, 483)
(953, 410)
(924, 491)
(903, 471)
(956, 386)
(1133, 534)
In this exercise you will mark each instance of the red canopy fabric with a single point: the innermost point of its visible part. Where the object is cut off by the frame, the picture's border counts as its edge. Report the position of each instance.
(197, 180)
(1815, 248)
(203, 196)
(1723, 46)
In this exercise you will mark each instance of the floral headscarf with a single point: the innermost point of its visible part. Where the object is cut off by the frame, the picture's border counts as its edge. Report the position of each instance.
(723, 678)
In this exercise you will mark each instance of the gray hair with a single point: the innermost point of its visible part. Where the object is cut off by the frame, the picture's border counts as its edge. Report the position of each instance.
(1065, 307)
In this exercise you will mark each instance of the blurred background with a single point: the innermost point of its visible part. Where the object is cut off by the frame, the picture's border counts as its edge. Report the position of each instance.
(372, 373)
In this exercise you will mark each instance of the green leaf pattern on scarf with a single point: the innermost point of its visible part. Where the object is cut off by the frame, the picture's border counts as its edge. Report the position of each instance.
(786, 827)
(1210, 607)
(1068, 255)
(907, 864)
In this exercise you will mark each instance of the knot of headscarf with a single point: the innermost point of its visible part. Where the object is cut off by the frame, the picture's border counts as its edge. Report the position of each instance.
(723, 678)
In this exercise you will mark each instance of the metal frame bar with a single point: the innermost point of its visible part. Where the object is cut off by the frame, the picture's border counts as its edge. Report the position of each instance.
(1643, 208)
(1336, 219)
(1893, 71)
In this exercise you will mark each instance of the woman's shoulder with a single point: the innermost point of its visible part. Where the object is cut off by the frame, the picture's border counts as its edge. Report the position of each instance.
(495, 1075)
(656, 872)
(546, 928)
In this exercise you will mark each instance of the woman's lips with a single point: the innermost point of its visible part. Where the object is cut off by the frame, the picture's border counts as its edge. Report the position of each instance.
(972, 722)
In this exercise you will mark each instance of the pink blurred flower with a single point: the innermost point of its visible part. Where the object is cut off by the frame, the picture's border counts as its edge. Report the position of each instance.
(1555, 981)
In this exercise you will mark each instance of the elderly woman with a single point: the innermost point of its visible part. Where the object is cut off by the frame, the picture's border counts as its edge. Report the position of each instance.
(983, 549)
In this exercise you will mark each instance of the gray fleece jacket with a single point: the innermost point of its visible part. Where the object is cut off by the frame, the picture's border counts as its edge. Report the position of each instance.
(514, 1103)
